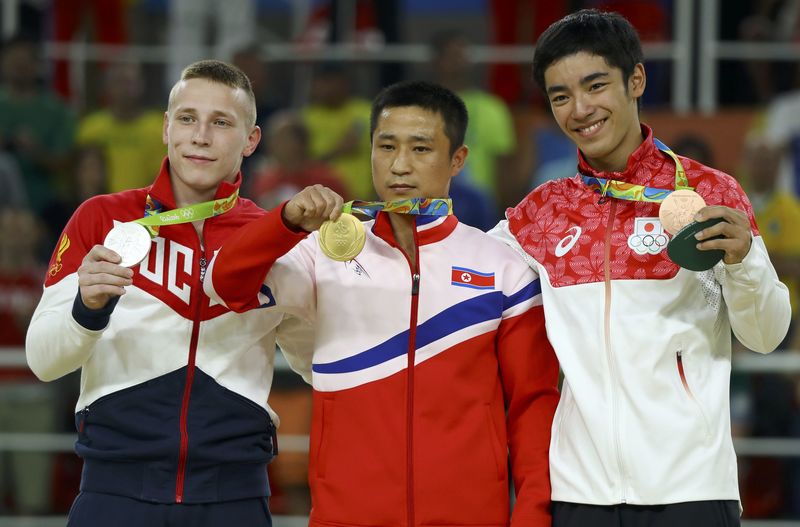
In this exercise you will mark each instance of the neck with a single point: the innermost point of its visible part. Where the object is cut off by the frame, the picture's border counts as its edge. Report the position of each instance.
(617, 161)
(403, 227)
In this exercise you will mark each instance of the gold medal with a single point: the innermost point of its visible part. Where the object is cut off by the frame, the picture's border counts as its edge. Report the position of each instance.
(343, 239)
(678, 209)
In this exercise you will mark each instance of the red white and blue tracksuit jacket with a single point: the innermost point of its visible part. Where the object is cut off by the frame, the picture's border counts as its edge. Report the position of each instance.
(173, 401)
(413, 368)
(645, 345)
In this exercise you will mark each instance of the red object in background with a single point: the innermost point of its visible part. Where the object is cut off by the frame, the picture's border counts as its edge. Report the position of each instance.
(18, 294)
(109, 26)
(518, 22)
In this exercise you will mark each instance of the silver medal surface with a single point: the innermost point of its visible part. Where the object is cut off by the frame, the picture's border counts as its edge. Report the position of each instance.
(129, 240)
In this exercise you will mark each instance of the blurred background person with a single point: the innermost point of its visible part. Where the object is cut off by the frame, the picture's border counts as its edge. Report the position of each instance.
(128, 133)
(249, 59)
(491, 137)
(26, 405)
(289, 167)
(193, 23)
(338, 126)
(36, 127)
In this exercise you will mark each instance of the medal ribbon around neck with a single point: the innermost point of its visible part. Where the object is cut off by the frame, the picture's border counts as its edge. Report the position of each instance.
(628, 191)
(415, 206)
(154, 218)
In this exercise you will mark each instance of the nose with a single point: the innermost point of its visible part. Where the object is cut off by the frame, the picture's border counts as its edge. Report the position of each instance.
(401, 162)
(201, 135)
(583, 107)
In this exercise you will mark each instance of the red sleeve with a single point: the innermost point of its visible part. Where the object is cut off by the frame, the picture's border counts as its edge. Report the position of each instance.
(243, 261)
(529, 372)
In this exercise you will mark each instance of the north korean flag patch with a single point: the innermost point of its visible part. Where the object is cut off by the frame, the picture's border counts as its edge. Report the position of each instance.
(463, 277)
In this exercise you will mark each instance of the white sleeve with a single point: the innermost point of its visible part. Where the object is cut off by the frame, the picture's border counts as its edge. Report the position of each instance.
(56, 344)
(757, 302)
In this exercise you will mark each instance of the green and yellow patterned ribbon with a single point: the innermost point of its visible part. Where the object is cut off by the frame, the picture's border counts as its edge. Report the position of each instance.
(154, 218)
(628, 191)
(416, 206)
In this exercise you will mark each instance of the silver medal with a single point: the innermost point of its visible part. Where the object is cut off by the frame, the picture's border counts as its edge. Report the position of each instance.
(129, 240)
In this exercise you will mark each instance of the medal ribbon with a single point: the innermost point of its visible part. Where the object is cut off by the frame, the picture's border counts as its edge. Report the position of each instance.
(629, 191)
(416, 206)
(154, 218)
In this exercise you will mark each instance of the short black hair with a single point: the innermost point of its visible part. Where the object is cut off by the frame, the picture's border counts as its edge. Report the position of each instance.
(428, 96)
(605, 34)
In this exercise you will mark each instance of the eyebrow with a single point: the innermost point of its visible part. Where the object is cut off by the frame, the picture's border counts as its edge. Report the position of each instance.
(586, 80)
(214, 113)
(388, 136)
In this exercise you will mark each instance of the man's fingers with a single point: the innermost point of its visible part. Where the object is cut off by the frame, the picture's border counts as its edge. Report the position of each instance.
(730, 215)
(99, 279)
(98, 253)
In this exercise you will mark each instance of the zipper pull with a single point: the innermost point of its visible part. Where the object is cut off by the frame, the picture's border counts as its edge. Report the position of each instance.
(202, 268)
(415, 284)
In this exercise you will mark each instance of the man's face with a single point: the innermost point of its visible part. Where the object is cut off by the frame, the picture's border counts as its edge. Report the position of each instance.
(595, 108)
(411, 155)
(207, 130)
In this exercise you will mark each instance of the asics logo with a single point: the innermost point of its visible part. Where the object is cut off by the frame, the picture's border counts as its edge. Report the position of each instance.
(568, 241)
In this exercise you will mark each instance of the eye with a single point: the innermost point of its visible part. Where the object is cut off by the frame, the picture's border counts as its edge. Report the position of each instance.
(186, 119)
(222, 122)
(386, 147)
(558, 99)
(596, 86)
(422, 149)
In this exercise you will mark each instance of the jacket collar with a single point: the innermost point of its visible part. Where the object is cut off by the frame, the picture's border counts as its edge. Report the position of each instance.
(161, 189)
(430, 229)
(644, 165)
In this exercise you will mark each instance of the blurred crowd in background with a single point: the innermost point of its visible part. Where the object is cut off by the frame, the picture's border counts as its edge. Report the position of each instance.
(72, 128)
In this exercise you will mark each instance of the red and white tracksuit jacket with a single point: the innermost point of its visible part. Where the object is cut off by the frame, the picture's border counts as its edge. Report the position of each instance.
(645, 346)
(413, 368)
(173, 402)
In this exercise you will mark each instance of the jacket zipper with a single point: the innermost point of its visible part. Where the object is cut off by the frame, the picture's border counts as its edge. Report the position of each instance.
(609, 352)
(187, 389)
(412, 344)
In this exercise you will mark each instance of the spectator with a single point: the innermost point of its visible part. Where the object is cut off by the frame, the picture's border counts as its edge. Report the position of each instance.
(27, 406)
(490, 135)
(338, 125)
(289, 167)
(128, 133)
(250, 61)
(234, 24)
(36, 127)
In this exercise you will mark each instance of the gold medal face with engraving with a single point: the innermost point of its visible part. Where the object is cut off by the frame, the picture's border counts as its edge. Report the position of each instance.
(343, 239)
(678, 209)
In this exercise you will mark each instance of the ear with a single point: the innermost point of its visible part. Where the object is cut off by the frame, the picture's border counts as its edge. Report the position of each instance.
(164, 129)
(252, 141)
(458, 159)
(637, 81)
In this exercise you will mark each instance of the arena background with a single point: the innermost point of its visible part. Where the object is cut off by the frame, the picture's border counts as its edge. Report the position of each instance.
(723, 87)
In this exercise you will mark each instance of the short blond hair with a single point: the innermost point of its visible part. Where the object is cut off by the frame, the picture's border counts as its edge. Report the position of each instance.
(222, 73)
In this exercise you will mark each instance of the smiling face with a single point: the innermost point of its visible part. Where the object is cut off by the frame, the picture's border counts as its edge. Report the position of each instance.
(411, 155)
(208, 130)
(595, 108)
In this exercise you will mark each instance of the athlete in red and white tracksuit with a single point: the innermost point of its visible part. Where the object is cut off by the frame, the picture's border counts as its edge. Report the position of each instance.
(645, 345)
(173, 402)
(413, 370)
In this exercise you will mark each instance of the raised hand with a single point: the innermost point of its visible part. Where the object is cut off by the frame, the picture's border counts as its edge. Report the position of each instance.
(100, 277)
(311, 207)
(735, 231)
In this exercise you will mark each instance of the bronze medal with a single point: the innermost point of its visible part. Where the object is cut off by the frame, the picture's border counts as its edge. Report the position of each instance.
(343, 239)
(129, 240)
(678, 209)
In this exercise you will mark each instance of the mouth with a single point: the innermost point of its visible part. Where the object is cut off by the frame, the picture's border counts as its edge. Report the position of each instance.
(401, 187)
(199, 158)
(590, 130)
